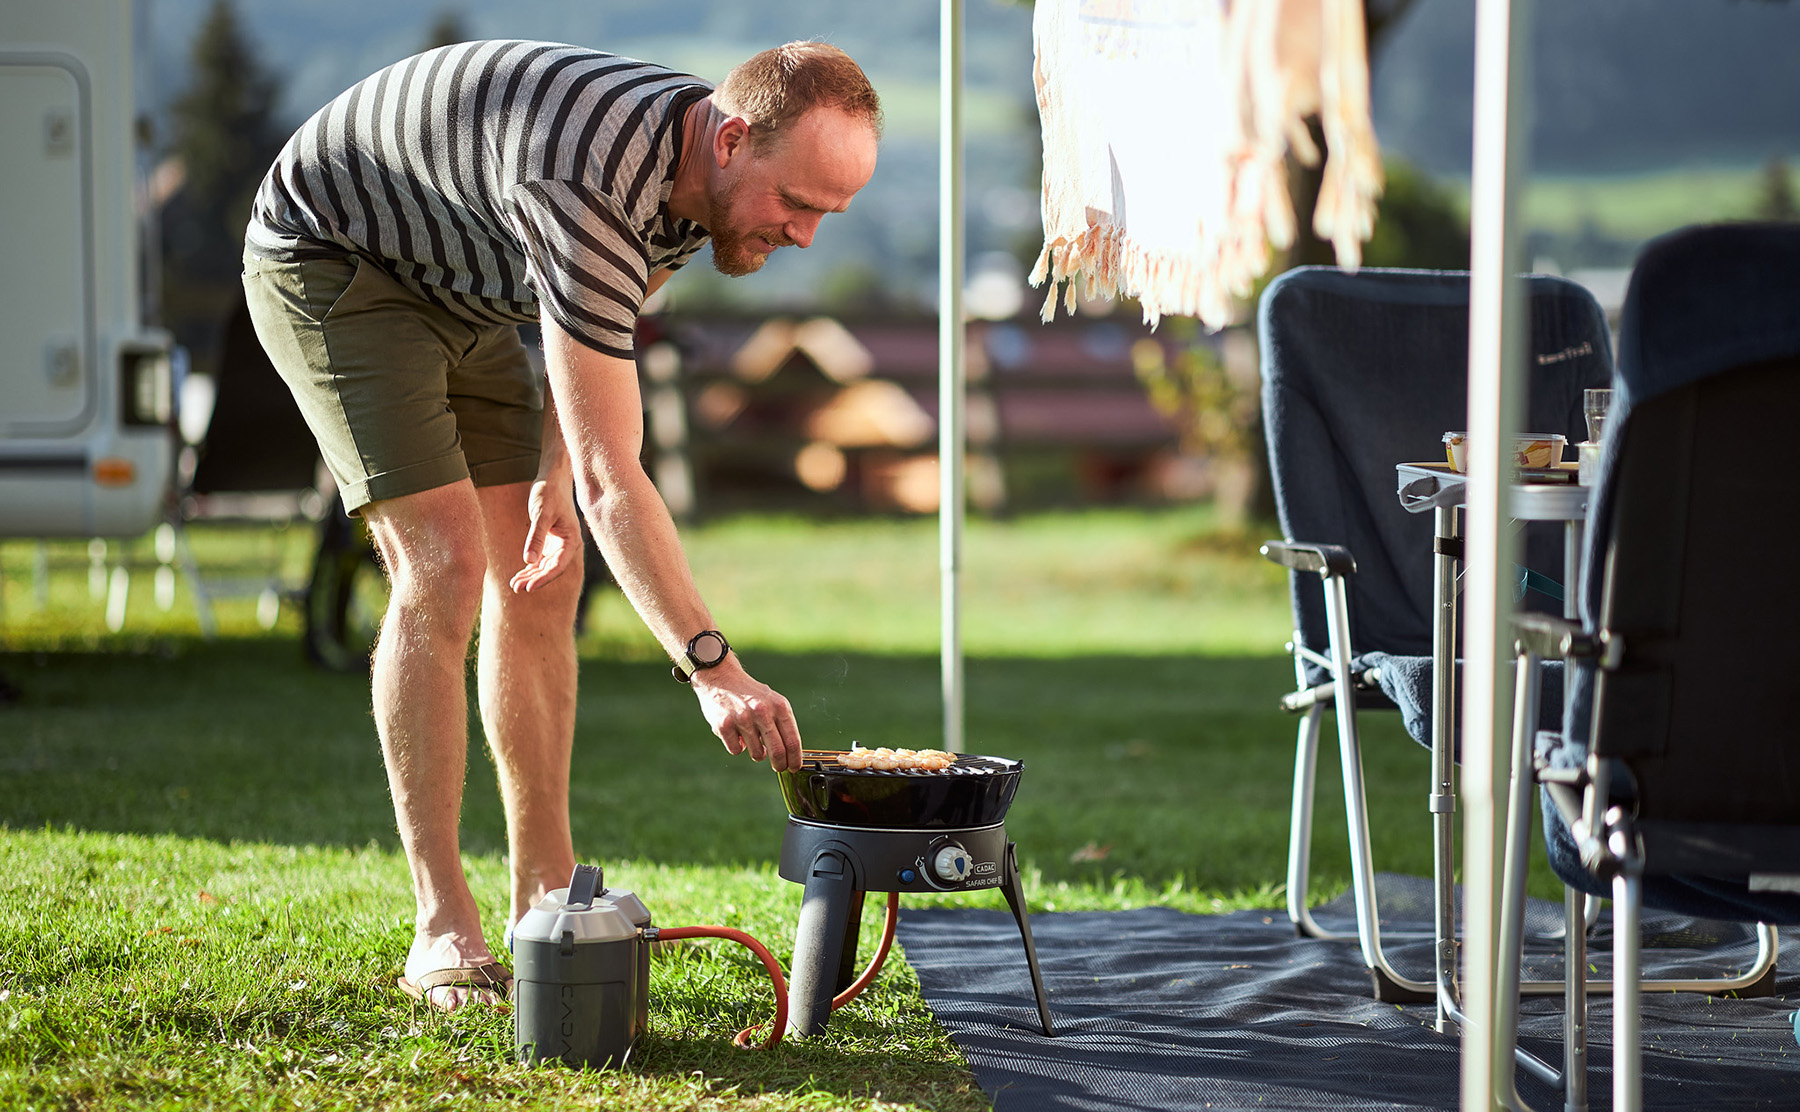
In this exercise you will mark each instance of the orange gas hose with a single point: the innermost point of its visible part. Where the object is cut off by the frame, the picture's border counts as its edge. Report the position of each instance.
(881, 953)
(769, 963)
(744, 1037)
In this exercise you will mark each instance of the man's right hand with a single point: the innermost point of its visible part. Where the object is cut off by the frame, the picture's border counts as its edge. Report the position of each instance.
(748, 715)
(555, 535)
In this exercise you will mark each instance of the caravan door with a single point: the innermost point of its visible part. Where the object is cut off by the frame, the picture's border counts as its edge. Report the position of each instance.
(86, 443)
(45, 183)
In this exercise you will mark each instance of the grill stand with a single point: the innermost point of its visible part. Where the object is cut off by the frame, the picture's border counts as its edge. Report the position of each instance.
(838, 864)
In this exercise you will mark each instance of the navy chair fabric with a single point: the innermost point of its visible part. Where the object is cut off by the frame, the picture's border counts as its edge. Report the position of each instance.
(1703, 302)
(1362, 371)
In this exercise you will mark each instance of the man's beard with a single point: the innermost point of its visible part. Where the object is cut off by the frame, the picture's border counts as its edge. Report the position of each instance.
(730, 254)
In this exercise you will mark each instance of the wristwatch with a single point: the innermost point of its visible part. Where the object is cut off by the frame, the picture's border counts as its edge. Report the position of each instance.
(706, 649)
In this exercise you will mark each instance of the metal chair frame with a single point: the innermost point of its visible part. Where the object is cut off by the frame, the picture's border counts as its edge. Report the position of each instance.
(1612, 847)
(1685, 651)
(1333, 564)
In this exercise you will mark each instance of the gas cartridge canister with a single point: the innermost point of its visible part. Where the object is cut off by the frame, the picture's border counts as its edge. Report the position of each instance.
(581, 974)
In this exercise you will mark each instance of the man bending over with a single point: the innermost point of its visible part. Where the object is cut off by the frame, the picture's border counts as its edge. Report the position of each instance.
(395, 245)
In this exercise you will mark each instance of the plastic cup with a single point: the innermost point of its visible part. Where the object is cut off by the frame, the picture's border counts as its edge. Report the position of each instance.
(1594, 404)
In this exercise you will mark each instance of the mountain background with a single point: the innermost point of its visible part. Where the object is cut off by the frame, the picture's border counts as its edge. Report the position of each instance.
(1649, 113)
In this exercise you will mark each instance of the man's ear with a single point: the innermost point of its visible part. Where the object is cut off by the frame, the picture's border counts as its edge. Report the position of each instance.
(731, 139)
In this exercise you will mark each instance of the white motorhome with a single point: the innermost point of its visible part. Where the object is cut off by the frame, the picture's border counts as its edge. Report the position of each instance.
(86, 444)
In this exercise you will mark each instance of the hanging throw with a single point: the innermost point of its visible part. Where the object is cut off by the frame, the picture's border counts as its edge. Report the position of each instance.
(1166, 127)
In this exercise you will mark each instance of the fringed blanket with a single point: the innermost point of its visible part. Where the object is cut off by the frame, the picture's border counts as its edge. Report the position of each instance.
(1166, 128)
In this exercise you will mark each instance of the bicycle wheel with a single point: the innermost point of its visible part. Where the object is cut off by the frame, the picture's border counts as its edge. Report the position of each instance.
(345, 598)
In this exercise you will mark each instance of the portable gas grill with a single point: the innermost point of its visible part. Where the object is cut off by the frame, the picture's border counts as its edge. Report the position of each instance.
(852, 831)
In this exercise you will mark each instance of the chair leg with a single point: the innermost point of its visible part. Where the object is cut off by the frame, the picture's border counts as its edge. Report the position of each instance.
(1628, 1062)
(1299, 872)
(1388, 985)
(1768, 945)
(1516, 862)
(190, 571)
(1574, 1001)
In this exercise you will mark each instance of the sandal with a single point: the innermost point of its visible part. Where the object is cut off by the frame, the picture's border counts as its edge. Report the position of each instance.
(491, 977)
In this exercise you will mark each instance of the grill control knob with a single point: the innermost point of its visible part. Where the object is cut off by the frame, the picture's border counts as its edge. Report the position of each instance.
(951, 864)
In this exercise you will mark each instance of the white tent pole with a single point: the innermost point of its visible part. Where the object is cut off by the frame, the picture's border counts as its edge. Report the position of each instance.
(951, 375)
(1496, 400)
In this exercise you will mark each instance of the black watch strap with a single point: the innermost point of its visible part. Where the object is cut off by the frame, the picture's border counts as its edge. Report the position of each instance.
(706, 649)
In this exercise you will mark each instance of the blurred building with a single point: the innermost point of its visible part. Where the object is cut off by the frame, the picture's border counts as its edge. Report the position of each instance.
(829, 414)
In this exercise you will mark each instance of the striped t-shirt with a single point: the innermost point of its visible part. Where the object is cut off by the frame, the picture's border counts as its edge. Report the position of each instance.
(492, 178)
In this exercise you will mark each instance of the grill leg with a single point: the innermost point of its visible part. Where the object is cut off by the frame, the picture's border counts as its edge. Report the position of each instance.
(1014, 890)
(819, 942)
(846, 971)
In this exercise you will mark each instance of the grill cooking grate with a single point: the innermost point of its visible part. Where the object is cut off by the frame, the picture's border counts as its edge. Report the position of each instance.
(965, 764)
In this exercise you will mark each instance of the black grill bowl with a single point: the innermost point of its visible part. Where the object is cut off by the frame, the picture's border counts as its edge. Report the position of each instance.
(974, 791)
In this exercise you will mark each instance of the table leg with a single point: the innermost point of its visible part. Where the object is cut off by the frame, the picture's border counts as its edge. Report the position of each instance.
(1442, 803)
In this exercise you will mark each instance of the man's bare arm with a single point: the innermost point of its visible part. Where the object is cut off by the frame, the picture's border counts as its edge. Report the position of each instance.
(598, 407)
(554, 535)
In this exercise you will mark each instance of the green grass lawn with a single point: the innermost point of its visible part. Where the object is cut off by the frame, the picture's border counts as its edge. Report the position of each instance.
(203, 904)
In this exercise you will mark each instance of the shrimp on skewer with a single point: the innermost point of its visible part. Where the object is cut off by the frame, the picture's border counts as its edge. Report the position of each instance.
(896, 760)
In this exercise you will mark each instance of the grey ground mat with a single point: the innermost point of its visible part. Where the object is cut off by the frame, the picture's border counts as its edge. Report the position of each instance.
(1157, 1009)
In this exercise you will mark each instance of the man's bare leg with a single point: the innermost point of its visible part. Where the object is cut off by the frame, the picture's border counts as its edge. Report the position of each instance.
(433, 547)
(526, 665)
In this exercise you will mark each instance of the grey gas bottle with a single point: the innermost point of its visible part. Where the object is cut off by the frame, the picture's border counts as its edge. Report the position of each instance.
(581, 974)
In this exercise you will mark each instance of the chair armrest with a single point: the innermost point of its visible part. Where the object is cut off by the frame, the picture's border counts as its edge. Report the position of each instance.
(1323, 560)
(1546, 636)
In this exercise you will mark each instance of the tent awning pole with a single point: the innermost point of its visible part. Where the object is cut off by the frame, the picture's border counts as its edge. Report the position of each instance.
(951, 375)
(1496, 401)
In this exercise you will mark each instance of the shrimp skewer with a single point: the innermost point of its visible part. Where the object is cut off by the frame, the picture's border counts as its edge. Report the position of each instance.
(896, 760)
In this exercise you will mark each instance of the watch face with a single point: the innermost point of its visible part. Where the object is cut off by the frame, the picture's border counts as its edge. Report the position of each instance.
(708, 648)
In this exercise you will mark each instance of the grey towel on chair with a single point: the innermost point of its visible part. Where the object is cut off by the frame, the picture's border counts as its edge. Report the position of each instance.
(1407, 681)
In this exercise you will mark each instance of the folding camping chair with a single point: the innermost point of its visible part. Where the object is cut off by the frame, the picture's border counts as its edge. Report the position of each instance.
(252, 463)
(255, 464)
(1674, 781)
(1361, 372)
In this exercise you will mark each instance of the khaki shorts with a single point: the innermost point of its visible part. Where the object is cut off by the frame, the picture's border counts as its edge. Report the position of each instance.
(403, 396)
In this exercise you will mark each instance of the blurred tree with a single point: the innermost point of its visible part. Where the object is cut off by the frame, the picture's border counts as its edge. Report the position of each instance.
(224, 136)
(1381, 18)
(447, 29)
(1410, 237)
(1775, 197)
(1419, 224)
(1208, 389)
(855, 289)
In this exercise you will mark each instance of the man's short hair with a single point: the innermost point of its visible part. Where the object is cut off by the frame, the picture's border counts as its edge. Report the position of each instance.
(778, 86)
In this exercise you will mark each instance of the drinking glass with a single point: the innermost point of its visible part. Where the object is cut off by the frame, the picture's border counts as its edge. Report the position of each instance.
(1594, 404)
